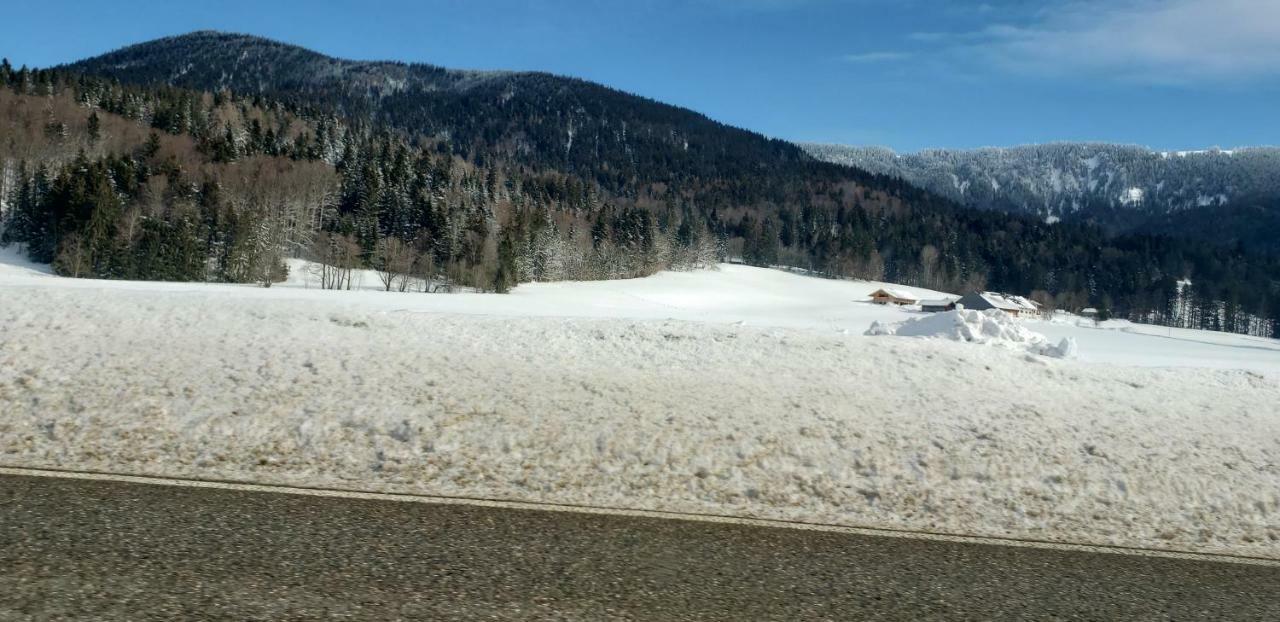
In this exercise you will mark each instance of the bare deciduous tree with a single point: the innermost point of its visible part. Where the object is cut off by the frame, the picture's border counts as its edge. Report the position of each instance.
(337, 256)
(394, 262)
(73, 256)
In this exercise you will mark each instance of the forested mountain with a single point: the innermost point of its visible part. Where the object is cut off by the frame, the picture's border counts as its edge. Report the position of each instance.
(213, 156)
(1120, 187)
(620, 141)
(115, 181)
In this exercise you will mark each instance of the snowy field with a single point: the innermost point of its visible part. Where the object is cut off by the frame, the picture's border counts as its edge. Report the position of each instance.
(742, 391)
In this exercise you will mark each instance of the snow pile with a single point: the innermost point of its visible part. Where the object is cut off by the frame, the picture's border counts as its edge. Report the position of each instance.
(1066, 349)
(992, 327)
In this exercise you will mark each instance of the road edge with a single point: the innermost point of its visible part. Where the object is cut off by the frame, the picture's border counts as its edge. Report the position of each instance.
(245, 486)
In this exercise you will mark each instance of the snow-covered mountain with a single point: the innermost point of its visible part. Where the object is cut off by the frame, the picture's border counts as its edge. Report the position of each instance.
(1122, 187)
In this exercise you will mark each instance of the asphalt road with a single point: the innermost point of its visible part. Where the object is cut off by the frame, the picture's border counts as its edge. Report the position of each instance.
(75, 549)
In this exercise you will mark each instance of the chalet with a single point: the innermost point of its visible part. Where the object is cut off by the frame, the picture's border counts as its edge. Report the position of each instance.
(1030, 307)
(1090, 313)
(939, 305)
(892, 296)
(1013, 305)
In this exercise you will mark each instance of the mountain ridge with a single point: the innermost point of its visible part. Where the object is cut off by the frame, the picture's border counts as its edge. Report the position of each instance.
(1120, 187)
(203, 37)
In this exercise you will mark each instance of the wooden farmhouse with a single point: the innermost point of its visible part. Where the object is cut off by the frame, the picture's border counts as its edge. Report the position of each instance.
(892, 297)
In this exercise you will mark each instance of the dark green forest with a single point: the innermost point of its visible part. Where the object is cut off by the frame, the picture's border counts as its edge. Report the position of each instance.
(489, 180)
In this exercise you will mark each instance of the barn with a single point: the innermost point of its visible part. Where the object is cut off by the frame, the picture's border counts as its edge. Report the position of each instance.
(885, 296)
(939, 305)
(1013, 305)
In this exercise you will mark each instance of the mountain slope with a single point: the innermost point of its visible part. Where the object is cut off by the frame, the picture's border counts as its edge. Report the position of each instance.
(1121, 187)
(619, 140)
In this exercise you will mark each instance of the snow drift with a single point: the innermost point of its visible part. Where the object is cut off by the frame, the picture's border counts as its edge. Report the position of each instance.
(991, 327)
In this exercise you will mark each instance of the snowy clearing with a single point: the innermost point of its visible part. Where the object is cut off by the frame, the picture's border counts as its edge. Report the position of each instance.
(740, 391)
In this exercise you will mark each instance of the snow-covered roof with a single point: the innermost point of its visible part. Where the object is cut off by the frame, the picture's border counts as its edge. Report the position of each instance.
(999, 302)
(939, 302)
(893, 293)
(1009, 303)
(1025, 302)
(1088, 310)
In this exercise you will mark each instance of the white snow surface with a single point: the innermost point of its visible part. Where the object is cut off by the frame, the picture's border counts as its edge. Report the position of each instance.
(739, 391)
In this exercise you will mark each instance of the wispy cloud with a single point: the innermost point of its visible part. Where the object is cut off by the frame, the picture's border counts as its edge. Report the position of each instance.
(1172, 41)
(875, 57)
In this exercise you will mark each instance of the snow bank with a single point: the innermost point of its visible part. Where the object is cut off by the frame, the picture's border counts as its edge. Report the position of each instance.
(991, 327)
(793, 423)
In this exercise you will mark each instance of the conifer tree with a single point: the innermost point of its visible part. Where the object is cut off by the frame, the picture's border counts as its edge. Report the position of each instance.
(94, 128)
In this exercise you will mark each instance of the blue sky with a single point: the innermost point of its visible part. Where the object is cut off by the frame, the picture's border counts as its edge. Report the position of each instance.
(908, 74)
